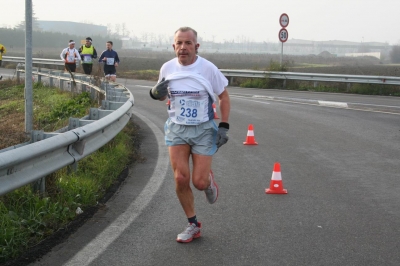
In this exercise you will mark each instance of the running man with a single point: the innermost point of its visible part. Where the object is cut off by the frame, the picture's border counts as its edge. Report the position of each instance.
(87, 53)
(2, 51)
(70, 56)
(190, 82)
(111, 60)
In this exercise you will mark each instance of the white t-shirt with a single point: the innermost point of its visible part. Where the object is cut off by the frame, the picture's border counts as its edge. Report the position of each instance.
(190, 99)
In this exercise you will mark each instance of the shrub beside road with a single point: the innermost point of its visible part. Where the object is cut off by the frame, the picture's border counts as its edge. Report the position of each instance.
(26, 218)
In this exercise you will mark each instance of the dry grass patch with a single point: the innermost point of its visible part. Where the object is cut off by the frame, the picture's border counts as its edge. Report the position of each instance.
(12, 129)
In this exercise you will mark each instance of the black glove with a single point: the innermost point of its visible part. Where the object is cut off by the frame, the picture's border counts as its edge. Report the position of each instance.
(160, 90)
(222, 134)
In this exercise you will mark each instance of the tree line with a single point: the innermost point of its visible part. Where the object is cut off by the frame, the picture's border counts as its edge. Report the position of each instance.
(15, 38)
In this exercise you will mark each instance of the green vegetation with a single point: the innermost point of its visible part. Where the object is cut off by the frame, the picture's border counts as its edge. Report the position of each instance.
(52, 109)
(268, 83)
(141, 74)
(27, 218)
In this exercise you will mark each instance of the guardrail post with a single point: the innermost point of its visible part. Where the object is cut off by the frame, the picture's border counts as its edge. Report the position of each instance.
(18, 77)
(315, 84)
(72, 168)
(231, 80)
(40, 184)
(92, 94)
(73, 87)
(284, 84)
(39, 78)
(83, 86)
(348, 86)
(61, 84)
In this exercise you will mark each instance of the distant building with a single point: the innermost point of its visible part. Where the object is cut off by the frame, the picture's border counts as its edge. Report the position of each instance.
(335, 47)
(75, 28)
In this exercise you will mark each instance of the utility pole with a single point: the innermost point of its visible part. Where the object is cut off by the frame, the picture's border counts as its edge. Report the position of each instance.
(28, 68)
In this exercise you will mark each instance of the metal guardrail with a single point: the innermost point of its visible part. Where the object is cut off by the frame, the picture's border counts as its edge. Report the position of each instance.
(316, 77)
(24, 164)
(42, 61)
(231, 73)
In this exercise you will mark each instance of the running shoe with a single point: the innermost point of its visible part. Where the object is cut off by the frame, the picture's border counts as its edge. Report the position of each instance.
(212, 190)
(192, 231)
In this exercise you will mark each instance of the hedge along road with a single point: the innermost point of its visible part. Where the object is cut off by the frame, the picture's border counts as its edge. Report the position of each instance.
(340, 166)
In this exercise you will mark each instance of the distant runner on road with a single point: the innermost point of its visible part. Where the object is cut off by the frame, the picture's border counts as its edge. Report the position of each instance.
(70, 56)
(87, 53)
(2, 51)
(111, 60)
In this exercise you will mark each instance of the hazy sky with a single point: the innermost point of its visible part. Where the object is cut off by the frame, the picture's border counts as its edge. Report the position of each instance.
(253, 20)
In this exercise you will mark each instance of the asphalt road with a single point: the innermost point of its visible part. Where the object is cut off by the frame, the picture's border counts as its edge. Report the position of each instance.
(341, 168)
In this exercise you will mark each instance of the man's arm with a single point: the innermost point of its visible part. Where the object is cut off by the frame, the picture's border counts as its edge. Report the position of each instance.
(62, 55)
(224, 105)
(78, 55)
(223, 127)
(116, 59)
(94, 53)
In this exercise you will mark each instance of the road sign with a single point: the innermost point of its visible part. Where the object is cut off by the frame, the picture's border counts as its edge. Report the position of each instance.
(284, 20)
(283, 35)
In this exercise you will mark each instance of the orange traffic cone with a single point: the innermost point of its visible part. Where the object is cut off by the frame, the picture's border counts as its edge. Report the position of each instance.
(276, 185)
(250, 140)
(215, 111)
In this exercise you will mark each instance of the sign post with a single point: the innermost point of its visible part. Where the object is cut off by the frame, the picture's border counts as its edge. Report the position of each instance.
(283, 33)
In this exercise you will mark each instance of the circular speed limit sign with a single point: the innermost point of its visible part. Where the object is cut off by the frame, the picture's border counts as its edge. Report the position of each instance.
(283, 35)
(284, 20)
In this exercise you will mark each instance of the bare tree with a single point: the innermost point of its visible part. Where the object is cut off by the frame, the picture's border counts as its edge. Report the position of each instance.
(117, 29)
(35, 22)
(123, 29)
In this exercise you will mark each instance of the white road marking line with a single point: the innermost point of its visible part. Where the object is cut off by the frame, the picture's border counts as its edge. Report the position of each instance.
(97, 246)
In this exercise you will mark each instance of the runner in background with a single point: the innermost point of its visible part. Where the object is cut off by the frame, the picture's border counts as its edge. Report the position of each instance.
(70, 56)
(2, 51)
(111, 60)
(87, 53)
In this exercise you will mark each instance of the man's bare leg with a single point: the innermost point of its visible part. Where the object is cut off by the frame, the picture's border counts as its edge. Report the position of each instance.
(179, 156)
(201, 171)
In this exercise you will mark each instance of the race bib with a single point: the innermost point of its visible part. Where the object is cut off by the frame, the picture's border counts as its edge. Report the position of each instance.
(87, 59)
(189, 111)
(71, 58)
(110, 61)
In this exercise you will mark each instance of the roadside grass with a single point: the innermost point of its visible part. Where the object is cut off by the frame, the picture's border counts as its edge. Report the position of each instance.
(141, 74)
(304, 65)
(26, 218)
(52, 109)
(355, 88)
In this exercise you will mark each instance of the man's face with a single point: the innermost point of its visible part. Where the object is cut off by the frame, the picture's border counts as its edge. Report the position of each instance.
(185, 46)
(72, 45)
(88, 43)
(109, 46)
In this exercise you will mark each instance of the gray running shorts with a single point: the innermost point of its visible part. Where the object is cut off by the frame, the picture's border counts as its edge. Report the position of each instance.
(201, 138)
